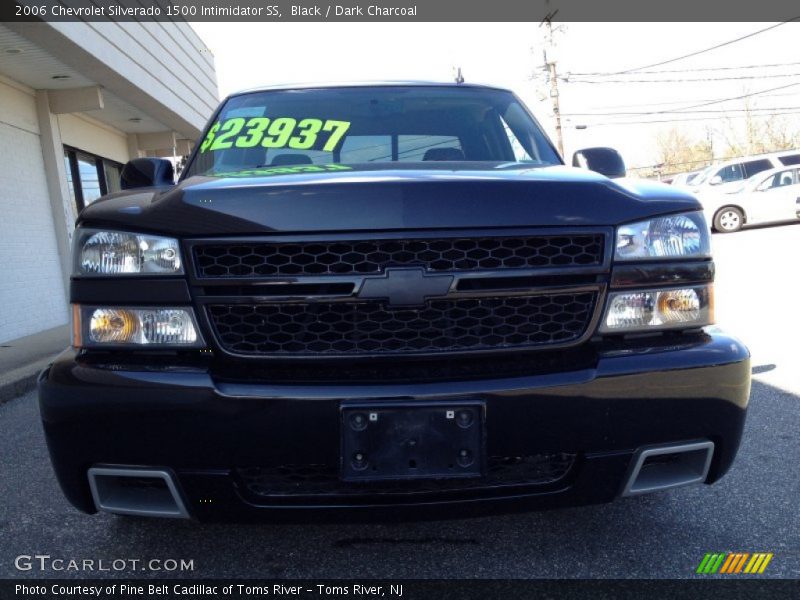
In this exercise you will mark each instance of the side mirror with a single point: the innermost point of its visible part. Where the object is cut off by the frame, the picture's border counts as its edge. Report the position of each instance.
(715, 180)
(147, 172)
(605, 161)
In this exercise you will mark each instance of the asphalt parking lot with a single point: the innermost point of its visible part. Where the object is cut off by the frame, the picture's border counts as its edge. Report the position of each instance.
(755, 508)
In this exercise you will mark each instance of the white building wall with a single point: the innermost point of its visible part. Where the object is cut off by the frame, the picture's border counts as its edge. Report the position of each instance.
(17, 106)
(31, 285)
(164, 70)
(158, 74)
(84, 133)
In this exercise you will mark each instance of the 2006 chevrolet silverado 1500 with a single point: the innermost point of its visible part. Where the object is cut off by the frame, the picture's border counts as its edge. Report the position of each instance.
(388, 299)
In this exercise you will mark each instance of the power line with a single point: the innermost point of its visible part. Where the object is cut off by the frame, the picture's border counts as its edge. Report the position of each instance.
(749, 95)
(568, 79)
(673, 102)
(703, 51)
(688, 109)
(709, 118)
(696, 70)
(710, 111)
(709, 162)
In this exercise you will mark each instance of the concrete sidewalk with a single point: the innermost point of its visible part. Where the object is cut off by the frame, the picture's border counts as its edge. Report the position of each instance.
(22, 360)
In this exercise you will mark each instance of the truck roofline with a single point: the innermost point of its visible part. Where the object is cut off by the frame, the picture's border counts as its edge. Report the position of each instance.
(358, 84)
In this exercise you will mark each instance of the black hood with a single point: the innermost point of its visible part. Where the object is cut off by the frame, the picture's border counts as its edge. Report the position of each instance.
(373, 198)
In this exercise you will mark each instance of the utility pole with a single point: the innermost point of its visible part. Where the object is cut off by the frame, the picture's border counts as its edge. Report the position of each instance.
(551, 67)
(710, 139)
(552, 73)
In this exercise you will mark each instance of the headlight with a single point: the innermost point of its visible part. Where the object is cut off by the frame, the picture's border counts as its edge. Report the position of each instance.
(648, 310)
(122, 326)
(675, 236)
(101, 253)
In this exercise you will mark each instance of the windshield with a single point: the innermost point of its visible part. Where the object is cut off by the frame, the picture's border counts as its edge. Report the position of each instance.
(343, 126)
(702, 175)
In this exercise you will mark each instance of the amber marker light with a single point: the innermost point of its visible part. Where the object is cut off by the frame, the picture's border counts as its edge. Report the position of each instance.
(77, 337)
(712, 316)
(679, 306)
(107, 326)
(113, 325)
(654, 309)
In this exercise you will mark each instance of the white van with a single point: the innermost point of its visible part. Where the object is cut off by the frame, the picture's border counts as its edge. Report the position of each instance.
(729, 176)
(685, 180)
(772, 196)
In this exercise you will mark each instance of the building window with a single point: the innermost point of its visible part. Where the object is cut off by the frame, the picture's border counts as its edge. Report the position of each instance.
(89, 176)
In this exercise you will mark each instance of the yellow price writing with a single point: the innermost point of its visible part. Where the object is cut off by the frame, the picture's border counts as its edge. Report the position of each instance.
(281, 132)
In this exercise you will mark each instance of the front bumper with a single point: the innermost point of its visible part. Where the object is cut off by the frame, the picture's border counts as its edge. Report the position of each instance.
(209, 431)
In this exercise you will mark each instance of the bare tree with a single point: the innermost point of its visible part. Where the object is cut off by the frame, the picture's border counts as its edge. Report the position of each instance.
(677, 152)
(759, 134)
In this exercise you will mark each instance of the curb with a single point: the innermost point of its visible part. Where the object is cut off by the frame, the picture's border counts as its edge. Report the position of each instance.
(22, 380)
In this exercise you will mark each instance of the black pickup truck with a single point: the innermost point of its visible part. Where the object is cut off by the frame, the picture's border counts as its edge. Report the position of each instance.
(388, 299)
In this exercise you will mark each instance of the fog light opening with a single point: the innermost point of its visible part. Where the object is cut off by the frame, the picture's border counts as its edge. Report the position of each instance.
(667, 467)
(139, 492)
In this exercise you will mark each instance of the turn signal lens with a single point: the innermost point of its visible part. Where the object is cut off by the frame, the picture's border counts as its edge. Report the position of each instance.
(679, 306)
(112, 325)
(659, 309)
(106, 326)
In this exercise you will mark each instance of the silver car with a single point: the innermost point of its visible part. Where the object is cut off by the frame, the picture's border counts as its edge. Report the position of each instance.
(771, 196)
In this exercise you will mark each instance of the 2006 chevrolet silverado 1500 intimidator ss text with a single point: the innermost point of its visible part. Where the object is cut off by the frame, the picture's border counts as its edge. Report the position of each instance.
(388, 299)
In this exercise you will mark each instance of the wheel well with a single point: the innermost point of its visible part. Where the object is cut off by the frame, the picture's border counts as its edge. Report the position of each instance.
(736, 206)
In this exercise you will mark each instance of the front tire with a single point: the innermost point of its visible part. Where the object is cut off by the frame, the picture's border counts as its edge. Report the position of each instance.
(728, 219)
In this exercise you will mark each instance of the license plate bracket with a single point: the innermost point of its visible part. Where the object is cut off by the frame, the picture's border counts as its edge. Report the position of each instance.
(382, 441)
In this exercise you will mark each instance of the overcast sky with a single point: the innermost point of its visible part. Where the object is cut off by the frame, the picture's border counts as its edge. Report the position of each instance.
(510, 55)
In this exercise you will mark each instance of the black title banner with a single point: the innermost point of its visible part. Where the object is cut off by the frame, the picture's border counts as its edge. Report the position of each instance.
(214, 589)
(398, 10)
